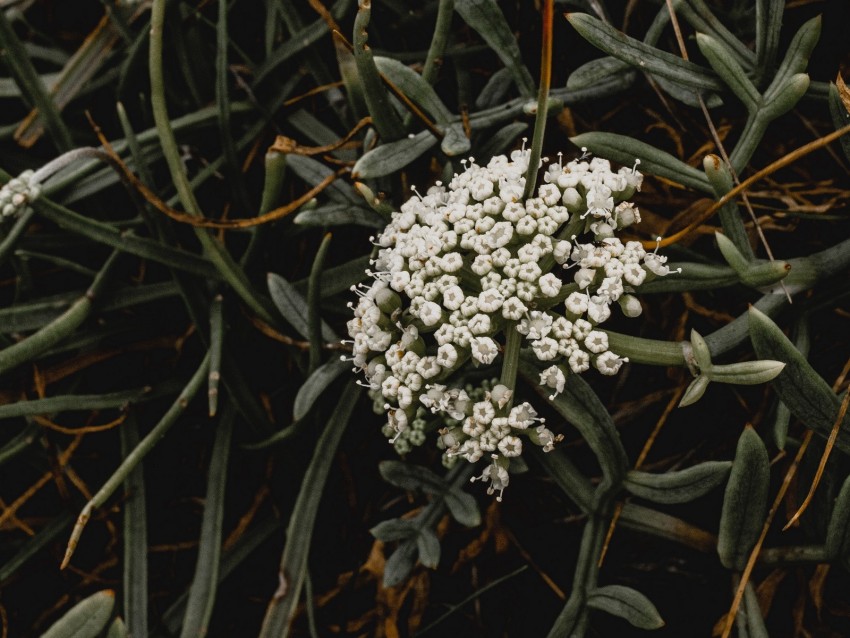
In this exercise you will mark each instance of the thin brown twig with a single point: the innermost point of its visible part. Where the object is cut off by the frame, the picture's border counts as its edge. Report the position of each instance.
(771, 168)
(827, 451)
(187, 218)
(720, 147)
(283, 144)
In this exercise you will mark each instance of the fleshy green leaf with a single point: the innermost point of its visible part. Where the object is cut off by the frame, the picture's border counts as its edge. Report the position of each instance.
(626, 603)
(293, 307)
(412, 477)
(388, 158)
(838, 531)
(400, 563)
(86, 619)
(340, 215)
(487, 19)
(394, 529)
(625, 150)
(678, 487)
(802, 389)
(642, 55)
(745, 501)
(429, 548)
(463, 508)
(315, 386)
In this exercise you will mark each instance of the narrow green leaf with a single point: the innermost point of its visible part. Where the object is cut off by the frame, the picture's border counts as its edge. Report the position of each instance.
(313, 172)
(768, 26)
(293, 562)
(463, 507)
(135, 540)
(339, 215)
(389, 158)
(414, 87)
(315, 386)
(643, 56)
(314, 317)
(199, 607)
(806, 394)
(487, 19)
(721, 60)
(752, 614)
(745, 501)
(695, 390)
(293, 307)
(384, 117)
(495, 90)
(21, 67)
(86, 619)
(796, 56)
(412, 477)
(838, 532)
(746, 372)
(395, 529)
(429, 548)
(126, 242)
(625, 150)
(82, 402)
(400, 563)
(117, 630)
(626, 603)
(700, 17)
(840, 117)
(600, 70)
(34, 545)
(678, 487)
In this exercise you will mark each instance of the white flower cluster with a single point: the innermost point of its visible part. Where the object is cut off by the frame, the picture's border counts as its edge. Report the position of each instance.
(17, 193)
(457, 266)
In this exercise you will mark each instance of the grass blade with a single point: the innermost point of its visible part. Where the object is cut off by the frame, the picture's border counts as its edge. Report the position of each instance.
(202, 593)
(135, 536)
(293, 563)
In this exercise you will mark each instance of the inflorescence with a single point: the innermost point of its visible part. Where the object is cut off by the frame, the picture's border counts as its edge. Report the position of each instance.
(467, 261)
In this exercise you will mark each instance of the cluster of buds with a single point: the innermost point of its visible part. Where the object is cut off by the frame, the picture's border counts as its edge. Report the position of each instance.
(468, 260)
(17, 193)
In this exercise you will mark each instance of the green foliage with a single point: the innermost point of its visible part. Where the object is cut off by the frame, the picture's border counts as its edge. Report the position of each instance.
(183, 259)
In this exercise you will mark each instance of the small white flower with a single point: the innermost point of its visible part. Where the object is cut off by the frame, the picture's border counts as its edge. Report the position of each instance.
(553, 377)
(490, 300)
(579, 361)
(549, 285)
(513, 309)
(545, 349)
(430, 313)
(576, 303)
(596, 342)
(608, 363)
(510, 446)
(446, 355)
(521, 416)
(479, 324)
(484, 349)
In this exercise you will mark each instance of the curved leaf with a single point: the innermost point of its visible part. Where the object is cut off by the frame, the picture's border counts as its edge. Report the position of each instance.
(388, 158)
(745, 501)
(802, 389)
(86, 619)
(678, 487)
(626, 603)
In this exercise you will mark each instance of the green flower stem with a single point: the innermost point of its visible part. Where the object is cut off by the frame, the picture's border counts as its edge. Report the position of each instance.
(214, 250)
(138, 453)
(433, 60)
(61, 327)
(135, 536)
(649, 351)
(510, 363)
(314, 293)
(542, 102)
